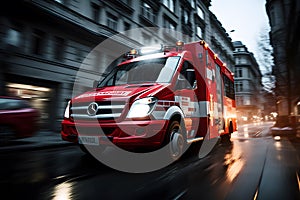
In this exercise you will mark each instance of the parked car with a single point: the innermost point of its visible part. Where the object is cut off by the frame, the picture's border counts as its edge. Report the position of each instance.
(18, 119)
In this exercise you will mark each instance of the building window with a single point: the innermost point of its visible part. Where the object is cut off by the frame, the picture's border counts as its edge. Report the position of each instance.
(112, 21)
(169, 24)
(243, 61)
(199, 32)
(59, 48)
(38, 42)
(200, 12)
(185, 16)
(239, 72)
(170, 4)
(239, 86)
(95, 12)
(192, 3)
(148, 12)
(127, 26)
(13, 37)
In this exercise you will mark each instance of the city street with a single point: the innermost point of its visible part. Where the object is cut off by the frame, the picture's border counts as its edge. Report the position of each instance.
(100, 100)
(252, 166)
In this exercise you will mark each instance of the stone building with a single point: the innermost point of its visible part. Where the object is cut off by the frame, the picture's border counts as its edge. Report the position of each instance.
(248, 86)
(45, 43)
(284, 19)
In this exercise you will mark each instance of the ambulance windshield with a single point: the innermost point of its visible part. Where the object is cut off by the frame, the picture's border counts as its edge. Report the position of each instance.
(146, 71)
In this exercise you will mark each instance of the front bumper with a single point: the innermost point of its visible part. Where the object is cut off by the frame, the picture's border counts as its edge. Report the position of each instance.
(127, 134)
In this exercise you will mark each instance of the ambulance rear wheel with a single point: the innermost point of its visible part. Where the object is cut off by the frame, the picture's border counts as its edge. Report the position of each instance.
(177, 142)
(225, 139)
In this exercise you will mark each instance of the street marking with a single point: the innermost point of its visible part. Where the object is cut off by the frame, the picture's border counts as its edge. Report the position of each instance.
(180, 195)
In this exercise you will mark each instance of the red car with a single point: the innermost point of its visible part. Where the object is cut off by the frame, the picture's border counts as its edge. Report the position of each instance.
(17, 118)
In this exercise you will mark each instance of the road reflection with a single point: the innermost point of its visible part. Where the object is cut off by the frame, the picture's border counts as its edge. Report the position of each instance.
(234, 162)
(63, 191)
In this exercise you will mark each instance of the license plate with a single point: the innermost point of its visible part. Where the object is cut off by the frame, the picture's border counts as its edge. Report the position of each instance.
(90, 140)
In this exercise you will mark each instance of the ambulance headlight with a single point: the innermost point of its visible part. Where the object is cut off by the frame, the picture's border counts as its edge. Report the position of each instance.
(67, 111)
(142, 107)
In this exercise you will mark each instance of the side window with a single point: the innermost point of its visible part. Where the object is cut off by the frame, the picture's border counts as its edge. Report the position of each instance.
(228, 87)
(187, 77)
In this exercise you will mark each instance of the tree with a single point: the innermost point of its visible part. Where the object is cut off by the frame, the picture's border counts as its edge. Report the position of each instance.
(265, 60)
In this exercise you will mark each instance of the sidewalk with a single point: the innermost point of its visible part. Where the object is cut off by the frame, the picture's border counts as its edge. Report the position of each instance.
(41, 140)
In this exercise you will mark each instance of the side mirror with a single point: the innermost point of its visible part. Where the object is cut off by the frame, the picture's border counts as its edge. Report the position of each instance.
(95, 84)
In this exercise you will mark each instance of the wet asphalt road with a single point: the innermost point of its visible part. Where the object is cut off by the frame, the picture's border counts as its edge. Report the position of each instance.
(252, 166)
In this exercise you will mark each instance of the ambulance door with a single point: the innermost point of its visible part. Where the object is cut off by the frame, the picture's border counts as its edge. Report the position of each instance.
(212, 81)
(185, 95)
(220, 111)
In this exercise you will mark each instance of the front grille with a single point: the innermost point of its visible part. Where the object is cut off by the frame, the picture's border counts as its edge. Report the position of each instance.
(95, 131)
(106, 110)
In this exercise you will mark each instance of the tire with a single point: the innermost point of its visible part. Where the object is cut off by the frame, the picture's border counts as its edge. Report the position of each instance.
(230, 127)
(176, 141)
(226, 137)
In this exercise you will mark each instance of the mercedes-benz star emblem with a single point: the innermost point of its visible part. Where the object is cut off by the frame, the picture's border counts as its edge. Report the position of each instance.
(92, 109)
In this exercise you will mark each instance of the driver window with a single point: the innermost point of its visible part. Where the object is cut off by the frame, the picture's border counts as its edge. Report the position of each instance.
(183, 75)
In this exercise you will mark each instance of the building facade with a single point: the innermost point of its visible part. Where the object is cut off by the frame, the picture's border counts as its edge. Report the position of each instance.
(284, 19)
(46, 44)
(248, 86)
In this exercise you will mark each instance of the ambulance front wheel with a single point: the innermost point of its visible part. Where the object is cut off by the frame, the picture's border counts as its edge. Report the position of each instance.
(177, 142)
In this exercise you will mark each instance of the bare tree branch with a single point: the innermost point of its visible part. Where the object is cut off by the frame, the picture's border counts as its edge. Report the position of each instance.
(266, 60)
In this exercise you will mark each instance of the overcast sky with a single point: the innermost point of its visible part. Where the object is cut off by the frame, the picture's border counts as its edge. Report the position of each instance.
(247, 17)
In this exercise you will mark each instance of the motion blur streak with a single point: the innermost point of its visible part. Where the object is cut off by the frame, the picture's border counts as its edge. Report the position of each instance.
(63, 191)
(298, 181)
(255, 196)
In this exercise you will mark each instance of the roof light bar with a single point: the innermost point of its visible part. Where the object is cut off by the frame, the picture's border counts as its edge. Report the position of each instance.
(151, 49)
